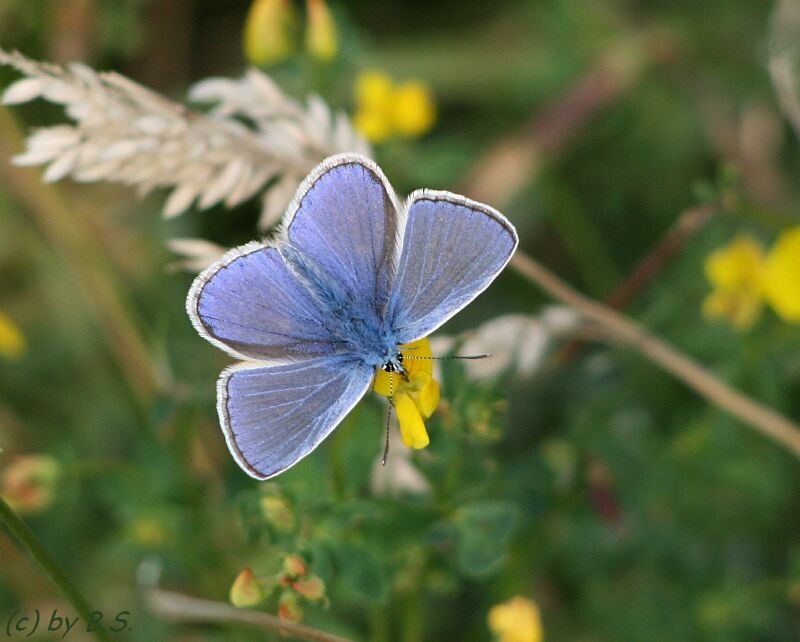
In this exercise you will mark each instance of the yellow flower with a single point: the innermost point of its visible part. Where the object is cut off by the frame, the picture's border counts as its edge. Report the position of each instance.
(268, 31)
(321, 39)
(735, 272)
(384, 109)
(12, 341)
(517, 620)
(781, 276)
(414, 112)
(416, 399)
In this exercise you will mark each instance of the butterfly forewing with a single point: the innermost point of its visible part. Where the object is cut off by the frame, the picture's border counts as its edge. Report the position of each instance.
(346, 225)
(453, 248)
(274, 416)
(253, 306)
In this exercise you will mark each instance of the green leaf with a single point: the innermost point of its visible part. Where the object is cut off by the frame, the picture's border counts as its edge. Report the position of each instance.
(482, 534)
(360, 573)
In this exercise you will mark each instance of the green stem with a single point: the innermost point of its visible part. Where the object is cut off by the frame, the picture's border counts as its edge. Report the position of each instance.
(29, 542)
(413, 626)
(379, 624)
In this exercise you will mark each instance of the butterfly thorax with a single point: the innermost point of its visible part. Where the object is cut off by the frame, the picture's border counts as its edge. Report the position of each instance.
(364, 336)
(360, 327)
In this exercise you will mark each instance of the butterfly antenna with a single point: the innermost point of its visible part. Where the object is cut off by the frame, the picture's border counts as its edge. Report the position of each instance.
(452, 356)
(388, 419)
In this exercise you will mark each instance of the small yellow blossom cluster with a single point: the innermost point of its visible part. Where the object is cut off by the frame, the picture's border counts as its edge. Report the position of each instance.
(385, 109)
(12, 341)
(270, 28)
(744, 277)
(517, 620)
(294, 582)
(29, 483)
(277, 512)
(149, 531)
(414, 398)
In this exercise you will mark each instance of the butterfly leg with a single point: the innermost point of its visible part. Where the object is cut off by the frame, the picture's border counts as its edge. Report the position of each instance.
(388, 420)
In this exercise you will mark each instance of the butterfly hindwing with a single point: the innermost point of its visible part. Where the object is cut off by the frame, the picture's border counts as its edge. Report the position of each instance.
(453, 248)
(274, 416)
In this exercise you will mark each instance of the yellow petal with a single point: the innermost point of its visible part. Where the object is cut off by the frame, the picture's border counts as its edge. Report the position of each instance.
(737, 264)
(383, 383)
(417, 357)
(12, 341)
(412, 428)
(741, 307)
(781, 277)
(268, 31)
(321, 39)
(517, 620)
(373, 91)
(373, 124)
(429, 397)
(414, 111)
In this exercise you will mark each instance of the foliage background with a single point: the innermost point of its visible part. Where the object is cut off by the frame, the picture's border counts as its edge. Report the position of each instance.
(610, 494)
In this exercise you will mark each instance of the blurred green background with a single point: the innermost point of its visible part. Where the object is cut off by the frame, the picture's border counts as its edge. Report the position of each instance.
(614, 497)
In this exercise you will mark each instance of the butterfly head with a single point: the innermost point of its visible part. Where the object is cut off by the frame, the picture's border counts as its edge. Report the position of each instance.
(394, 364)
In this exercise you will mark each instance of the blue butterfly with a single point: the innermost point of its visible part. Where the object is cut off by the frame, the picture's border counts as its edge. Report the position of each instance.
(351, 275)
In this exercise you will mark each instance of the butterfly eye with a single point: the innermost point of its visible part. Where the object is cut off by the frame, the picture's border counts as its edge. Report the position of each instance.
(400, 357)
(388, 367)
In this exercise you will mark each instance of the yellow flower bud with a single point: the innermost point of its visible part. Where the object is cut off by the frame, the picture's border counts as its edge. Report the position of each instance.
(278, 512)
(321, 38)
(268, 31)
(295, 566)
(29, 483)
(247, 590)
(289, 607)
